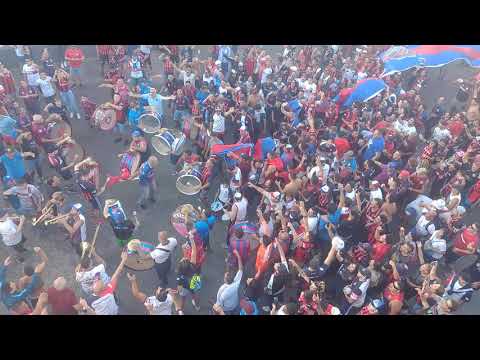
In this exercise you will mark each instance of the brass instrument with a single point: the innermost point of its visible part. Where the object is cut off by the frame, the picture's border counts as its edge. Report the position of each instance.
(45, 212)
(55, 220)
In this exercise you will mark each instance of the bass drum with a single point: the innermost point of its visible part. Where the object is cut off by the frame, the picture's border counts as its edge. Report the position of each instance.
(168, 141)
(138, 255)
(189, 182)
(104, 118)
(182, 215)
(72, 152)
(59, 129)
(150, 122)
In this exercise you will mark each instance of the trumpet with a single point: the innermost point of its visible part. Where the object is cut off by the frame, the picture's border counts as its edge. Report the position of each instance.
(55, 220)
(45, 212)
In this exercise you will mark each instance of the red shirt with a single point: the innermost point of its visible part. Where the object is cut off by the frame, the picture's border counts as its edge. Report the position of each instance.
(379, 251)
(456, 128)
(103, 49)
(77, 55)
(62, 302)
(465, 238)
(63, 85)
(168, 66)
(277, 162)
(39, 132)
(342, 146)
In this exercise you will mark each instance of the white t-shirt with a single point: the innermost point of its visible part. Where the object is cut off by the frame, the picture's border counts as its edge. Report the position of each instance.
(105, 305)
(265, 73)
(227, 295)
(46, 87)
(312, 224)
(32, 74)
(87, 278)
(159, 255)
(440, 134)
(363, 288)
(218, 123)
(146, 49)
(422, 228)
(186, 77)
(160, 308)
(437, 246)
(376, 194)
(10, 235)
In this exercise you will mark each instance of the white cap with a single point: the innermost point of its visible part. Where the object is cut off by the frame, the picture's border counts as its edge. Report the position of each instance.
(439, 204)
(218, 62)
(325, 188)
(289, 146)
(243, 128)
(77, 206)
(238, 195)
(375, 182)
(338, 243)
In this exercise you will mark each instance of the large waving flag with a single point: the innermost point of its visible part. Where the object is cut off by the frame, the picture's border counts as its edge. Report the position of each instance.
(401, 58)
(222, 150)
(342, 96)
(263, 147)
(363, 91)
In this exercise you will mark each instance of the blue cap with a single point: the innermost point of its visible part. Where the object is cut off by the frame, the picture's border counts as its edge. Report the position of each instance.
(136, 133)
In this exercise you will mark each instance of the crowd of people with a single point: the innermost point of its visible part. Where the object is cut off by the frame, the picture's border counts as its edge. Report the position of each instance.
(330, 210)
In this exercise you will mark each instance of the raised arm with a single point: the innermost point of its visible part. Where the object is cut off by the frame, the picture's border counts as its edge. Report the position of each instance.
(119, 269)
(193, 255)
(40, 267)
(137, 294)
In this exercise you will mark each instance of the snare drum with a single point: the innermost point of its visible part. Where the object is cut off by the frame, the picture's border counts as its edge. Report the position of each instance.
(168, 140)
(139, 258)
(189, 182)
(150, 122)
(104, 118)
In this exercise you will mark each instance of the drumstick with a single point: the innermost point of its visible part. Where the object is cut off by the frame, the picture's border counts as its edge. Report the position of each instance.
(94, 239)
(137, 223)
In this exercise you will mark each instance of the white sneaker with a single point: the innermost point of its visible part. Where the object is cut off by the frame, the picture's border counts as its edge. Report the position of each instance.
(71, 114)
(78, 116)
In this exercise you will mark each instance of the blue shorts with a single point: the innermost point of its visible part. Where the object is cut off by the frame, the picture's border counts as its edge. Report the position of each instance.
(75, 71)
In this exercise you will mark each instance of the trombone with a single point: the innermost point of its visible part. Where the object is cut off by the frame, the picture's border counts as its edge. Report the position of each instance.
(45, 213)
(55, 220)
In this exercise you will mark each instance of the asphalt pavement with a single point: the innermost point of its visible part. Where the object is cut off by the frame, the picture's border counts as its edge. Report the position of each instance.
(99, 145)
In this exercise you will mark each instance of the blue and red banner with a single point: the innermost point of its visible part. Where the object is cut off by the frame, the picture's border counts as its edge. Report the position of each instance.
(222, 150)
(401, 58)
(263, 147)
(363, 91)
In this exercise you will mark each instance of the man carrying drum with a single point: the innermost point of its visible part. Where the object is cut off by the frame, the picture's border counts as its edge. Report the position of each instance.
(155, 101)
(129, 163)
(122, 227)
(87, 176)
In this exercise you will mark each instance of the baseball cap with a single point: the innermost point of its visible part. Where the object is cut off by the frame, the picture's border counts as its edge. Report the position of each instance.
(136, 133)
(238, 195)
(77, 206)
(289, 146)
(404, 173)
(325, 188)
(332, 310)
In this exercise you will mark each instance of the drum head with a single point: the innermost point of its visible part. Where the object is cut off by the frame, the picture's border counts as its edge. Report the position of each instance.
(181, 215)
(150, 123)
(160, 145)
(188, 184)
(178, 145)
(135, 262)
(59, 129)
(105, 118)
(72, 152)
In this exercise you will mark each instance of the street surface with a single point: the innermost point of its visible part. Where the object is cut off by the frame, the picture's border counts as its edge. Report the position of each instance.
(99, 145)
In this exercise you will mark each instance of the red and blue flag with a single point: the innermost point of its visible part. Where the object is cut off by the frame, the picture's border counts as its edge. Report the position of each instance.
(401, 58)
(363, 91)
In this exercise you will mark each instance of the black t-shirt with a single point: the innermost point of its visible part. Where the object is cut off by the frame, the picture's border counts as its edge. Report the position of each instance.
(122, 230)
(317, 273)
(62, 110)
(463, 94)
(30, 146)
